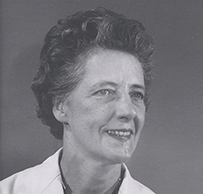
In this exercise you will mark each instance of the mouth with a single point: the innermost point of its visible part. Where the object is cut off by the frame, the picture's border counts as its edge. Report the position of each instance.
(121, 134)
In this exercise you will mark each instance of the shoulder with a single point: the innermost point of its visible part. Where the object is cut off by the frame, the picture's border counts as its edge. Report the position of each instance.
(25, 181)
(132, 186)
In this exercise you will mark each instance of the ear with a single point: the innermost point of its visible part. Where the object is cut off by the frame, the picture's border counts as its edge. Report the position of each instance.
(59, 111)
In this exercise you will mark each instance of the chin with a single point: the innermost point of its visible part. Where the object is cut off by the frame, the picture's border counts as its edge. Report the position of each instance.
(120, 158)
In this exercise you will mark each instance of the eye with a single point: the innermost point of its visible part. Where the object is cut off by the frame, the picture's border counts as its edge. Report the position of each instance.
(137, 95)
(104, 92)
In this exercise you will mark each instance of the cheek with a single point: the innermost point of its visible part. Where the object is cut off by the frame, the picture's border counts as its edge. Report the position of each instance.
(140, 119)
(100, 116)
(91, 115)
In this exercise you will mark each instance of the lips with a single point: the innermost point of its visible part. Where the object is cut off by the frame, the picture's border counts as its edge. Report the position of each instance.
(121, 134)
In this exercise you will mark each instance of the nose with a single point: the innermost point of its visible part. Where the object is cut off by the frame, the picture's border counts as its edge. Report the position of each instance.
(125, 109)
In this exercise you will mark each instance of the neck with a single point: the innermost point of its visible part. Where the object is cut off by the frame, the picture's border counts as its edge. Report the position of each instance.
(85, 175)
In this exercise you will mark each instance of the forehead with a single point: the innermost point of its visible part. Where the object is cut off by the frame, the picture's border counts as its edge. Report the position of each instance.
(113, 66)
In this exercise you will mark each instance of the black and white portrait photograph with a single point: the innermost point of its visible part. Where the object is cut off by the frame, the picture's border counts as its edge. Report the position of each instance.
(101, 97)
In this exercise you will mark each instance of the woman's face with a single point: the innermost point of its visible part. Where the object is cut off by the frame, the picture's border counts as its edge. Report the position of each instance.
(106, 111)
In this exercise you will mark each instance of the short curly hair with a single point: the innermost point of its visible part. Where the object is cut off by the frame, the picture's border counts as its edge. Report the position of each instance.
(75, 36)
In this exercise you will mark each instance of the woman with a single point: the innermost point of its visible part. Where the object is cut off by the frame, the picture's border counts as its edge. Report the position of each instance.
(92, 91)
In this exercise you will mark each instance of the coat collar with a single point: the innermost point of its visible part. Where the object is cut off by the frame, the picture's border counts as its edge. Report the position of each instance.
(55, 185)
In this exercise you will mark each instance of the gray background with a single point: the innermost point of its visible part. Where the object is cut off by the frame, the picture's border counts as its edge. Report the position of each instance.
(168, 158)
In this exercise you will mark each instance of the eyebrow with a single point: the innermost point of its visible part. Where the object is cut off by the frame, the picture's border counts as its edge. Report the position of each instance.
(105, 83)
(137, 86)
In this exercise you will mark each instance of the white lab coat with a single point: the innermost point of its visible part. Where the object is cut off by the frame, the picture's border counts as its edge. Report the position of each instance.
(46, 179)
